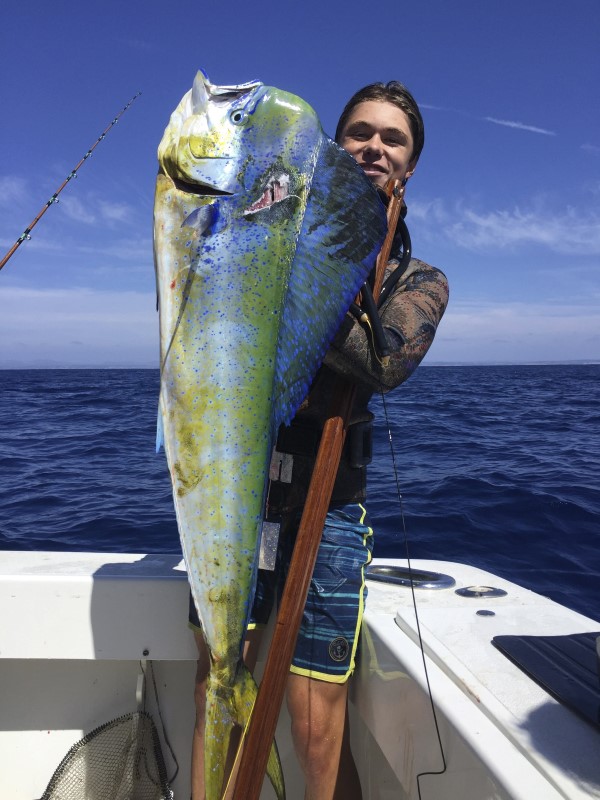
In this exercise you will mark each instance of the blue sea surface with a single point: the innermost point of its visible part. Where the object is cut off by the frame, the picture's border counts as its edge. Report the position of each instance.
(496, 466)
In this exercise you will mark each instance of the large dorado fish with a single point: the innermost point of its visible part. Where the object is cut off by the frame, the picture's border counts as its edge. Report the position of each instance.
(264, 230)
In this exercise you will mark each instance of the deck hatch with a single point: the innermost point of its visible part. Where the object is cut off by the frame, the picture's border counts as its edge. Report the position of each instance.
(565, 666)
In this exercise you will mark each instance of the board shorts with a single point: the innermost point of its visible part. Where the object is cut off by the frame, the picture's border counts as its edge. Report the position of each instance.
(330, 627)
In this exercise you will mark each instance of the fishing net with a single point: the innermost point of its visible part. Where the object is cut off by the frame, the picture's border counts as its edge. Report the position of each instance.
(120, 760)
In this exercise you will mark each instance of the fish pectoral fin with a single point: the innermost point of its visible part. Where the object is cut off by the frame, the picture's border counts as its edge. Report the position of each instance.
(160, 431)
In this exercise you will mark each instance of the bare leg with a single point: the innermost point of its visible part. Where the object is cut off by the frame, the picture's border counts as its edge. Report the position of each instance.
(318, 711)
(200, 701)
(347, 786)
(251, 648)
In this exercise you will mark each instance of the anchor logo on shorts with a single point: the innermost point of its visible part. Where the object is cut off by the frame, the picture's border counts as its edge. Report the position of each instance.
(338, 648)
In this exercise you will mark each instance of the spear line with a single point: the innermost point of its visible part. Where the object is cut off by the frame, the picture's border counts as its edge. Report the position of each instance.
(26, 235)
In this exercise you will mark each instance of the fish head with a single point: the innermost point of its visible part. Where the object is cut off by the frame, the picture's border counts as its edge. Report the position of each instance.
(221, 139)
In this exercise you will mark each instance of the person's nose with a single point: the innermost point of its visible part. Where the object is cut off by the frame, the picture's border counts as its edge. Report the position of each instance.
(373, 146)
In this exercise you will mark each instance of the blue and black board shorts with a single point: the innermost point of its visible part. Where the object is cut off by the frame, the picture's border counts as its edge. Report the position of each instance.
(330, 627)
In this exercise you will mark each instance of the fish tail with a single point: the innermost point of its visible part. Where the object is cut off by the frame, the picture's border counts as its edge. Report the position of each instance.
(224, 707)
(219, 722)
(244, 692)
(275, 772)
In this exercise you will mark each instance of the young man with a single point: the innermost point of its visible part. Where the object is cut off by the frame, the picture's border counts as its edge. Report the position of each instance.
(382, 128)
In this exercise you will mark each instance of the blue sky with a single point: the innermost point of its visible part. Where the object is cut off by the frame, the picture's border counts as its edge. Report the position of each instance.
(506, 197)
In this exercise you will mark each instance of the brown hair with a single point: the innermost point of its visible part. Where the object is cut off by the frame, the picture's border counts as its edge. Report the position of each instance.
(398, 95)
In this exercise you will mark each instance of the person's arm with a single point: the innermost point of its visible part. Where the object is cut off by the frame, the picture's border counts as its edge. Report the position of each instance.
(410, 318)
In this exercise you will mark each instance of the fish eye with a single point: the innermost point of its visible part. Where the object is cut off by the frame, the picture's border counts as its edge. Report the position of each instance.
(238, 117)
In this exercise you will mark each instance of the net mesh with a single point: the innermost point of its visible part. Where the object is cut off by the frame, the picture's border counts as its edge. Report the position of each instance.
(120, 760)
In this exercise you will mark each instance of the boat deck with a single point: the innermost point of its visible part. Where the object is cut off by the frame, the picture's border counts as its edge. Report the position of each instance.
(501, 714)
(75, 626)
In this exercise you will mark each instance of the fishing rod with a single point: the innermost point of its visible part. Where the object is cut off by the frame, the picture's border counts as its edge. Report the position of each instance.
(26, 235)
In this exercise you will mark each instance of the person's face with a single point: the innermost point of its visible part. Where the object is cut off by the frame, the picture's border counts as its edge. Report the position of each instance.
(378, 135)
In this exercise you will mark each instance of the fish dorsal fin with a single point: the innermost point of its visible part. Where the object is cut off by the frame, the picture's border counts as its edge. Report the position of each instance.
(199, 97)
(341, 234)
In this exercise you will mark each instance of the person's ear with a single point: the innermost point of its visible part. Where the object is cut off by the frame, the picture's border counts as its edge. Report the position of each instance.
(409, 172)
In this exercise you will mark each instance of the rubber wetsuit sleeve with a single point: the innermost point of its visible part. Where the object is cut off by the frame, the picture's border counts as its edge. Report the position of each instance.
(410, 318)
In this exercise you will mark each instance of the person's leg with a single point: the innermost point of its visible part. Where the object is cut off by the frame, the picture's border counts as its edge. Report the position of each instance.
(202, 669)
(324, 657)
(319, 730)
(348, 782)
(251, 648)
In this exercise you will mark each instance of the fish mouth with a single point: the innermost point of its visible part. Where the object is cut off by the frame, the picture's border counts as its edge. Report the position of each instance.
(199, 189)
(275, 191)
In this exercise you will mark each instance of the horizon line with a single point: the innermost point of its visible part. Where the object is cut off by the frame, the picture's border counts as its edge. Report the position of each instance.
(580, 362)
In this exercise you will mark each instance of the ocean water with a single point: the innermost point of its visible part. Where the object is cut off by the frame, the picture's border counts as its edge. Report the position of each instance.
(498, 467)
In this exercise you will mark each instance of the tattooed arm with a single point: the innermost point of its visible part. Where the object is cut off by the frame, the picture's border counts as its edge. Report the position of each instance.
(410, 318)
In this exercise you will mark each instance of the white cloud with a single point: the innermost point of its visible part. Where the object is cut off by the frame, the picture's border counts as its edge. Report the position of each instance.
(115, 212)
(507, 123)
(85, 328)
(134, 252)
(568, 231)
(430, 107)
(591, 148)
(519, 126)
(518, 332)
(12, 190)
(92, 210)
(77, 327)
(131, 250)
(76, 210)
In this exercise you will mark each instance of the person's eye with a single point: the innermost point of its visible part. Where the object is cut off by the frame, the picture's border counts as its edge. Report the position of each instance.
(359, 133)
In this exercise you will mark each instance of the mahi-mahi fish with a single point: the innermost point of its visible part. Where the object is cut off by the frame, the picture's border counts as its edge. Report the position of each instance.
(264, 230)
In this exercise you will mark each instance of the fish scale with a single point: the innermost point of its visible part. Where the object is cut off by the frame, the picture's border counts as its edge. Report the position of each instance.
(263, 231)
